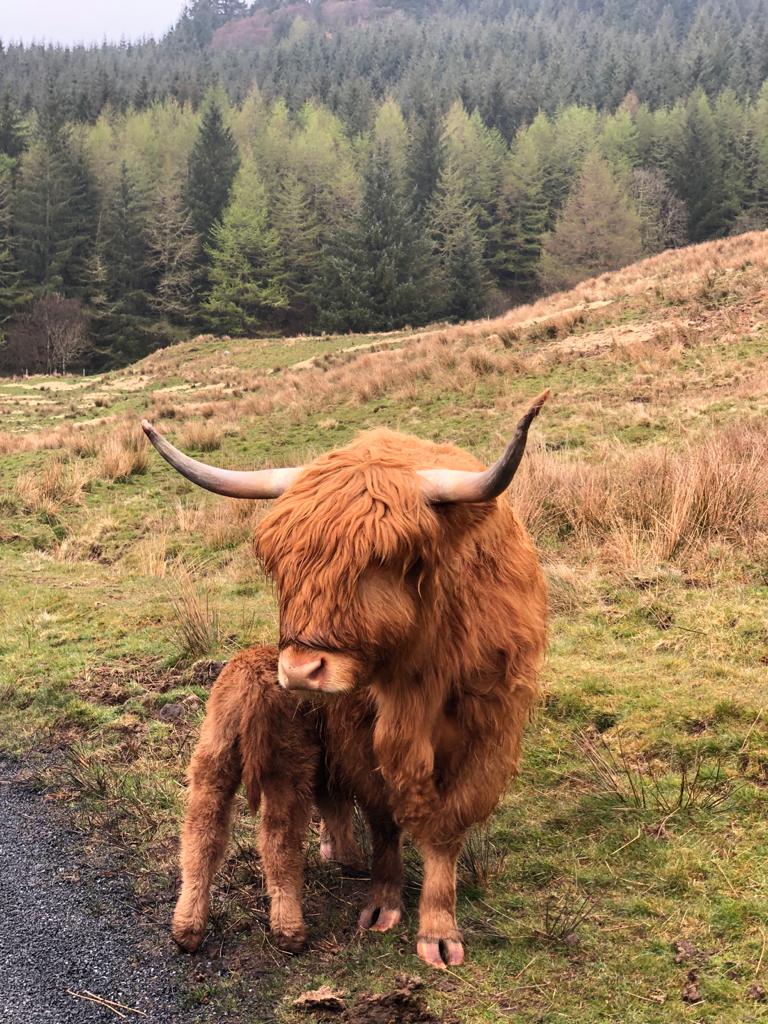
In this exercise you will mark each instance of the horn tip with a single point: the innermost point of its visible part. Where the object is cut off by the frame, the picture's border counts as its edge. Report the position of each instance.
(541, 399)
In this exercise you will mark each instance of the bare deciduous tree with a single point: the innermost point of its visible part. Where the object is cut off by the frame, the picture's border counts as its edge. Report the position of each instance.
(663, 215)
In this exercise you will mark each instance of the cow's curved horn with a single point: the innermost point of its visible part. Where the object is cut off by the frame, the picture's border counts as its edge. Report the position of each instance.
(457, 485)
(259, 483)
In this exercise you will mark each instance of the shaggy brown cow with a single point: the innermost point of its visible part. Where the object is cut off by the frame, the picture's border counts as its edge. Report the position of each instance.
(412, 628)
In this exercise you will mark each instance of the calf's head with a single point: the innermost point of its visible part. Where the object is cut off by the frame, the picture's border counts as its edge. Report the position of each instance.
(351, 544)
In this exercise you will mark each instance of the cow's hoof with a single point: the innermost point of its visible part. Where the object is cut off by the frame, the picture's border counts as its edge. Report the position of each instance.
(375, 918)
(187, 936)
(440, 952)
(293, 942)
(350, 861)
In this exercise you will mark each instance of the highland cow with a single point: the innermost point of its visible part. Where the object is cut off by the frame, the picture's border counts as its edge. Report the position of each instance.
(412, 630)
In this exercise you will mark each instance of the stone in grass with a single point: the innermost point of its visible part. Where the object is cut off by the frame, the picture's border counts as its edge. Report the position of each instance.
(321, 1000)
(757, 992)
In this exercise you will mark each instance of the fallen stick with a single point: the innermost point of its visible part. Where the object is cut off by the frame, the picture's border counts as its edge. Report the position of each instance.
(110, 1004)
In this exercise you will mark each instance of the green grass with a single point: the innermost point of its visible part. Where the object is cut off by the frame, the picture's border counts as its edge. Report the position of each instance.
(667, 666)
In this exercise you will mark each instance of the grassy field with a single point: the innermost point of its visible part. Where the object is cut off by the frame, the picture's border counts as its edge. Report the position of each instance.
(624, 878)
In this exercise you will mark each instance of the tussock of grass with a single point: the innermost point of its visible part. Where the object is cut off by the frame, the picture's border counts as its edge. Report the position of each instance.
(196, 628)
(58, 483)
(698, 782)
(201, 436)
(123, 454)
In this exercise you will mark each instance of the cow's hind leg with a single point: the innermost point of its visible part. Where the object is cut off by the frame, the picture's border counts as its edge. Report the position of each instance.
(439, 940)
(384, 907)
(214, 776)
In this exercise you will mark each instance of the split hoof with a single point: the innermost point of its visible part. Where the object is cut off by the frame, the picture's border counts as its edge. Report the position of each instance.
(440, 952)
(375, 918)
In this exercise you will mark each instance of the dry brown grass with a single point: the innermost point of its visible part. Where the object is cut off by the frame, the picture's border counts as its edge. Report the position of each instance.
(123, 453)
(201, 435)
(224, 524)
(87, 544)
(196, 628)
(57, 483)
(656, 503)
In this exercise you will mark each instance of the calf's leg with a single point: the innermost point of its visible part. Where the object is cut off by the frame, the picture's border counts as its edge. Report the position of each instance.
(281, 754)
(214, 776)
(285, 815)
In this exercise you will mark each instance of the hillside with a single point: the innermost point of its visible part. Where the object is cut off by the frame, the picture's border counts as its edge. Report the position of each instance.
(630, 851)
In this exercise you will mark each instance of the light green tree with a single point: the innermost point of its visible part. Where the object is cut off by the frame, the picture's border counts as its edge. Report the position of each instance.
(597, 230)
(246, 272)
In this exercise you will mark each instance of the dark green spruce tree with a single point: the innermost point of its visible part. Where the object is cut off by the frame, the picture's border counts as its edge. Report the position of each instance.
(121, 275)
(211, 170)
(14, 295)
(13, 139)
(379, 277)
(55, 208)
(521, 214)
(458, 248)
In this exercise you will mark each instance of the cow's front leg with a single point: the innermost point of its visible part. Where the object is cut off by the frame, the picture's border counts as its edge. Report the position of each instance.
(439, 940)
(384, 907)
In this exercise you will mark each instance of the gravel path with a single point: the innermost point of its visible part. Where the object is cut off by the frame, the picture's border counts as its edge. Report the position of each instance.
(63, 925)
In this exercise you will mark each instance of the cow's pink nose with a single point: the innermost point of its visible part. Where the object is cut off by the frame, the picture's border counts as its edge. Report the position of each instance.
(302, 671)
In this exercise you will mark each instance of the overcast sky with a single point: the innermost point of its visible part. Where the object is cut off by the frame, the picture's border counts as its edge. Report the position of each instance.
(85, 21)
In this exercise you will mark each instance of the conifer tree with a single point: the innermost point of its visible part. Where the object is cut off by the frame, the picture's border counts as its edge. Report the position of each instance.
(699, 172)
(12, 134)
(174, 252)
(121, 272)
(211, 171)
(379, 276)
(597, 230)
(14, 296)
(477, 153)
(458, 248)
(55, 208)
(520, 219)
(425, 153)
(297, 231)
(246, 273)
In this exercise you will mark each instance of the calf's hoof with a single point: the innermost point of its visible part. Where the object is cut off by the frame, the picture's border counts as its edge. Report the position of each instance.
(290, 942)
(187, 935)
(439, 951)
(375, 918)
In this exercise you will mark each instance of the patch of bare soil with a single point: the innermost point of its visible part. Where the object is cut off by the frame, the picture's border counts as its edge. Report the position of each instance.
(403, 1005)
(113, 685)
